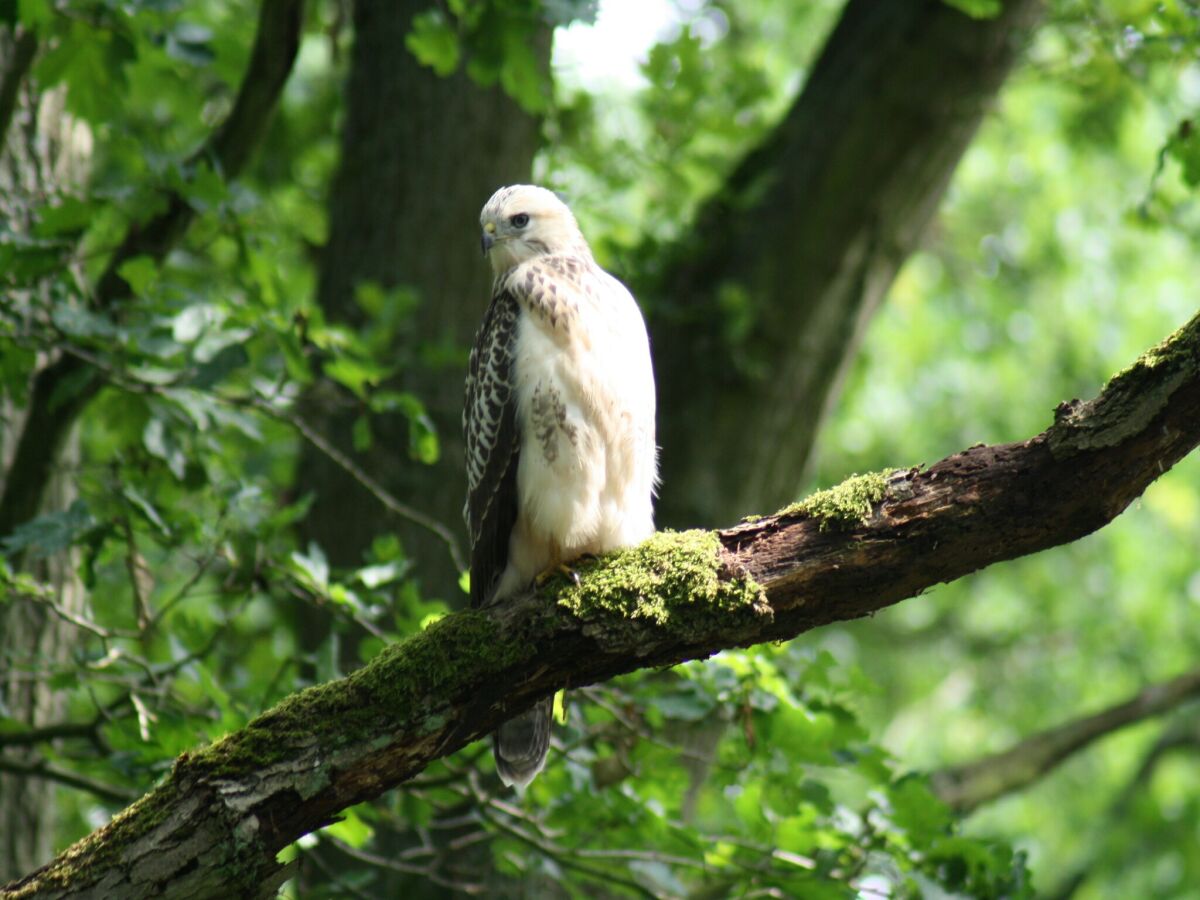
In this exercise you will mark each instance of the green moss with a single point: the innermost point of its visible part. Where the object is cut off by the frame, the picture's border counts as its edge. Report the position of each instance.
(674, 580)
(444, 657)
(844, 505)
(1181, 347)
(103, 846)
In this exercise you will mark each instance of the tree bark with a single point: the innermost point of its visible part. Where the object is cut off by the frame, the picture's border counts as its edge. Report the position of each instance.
(420, 155)
(214, 827)
(41, 153)
(810, 230)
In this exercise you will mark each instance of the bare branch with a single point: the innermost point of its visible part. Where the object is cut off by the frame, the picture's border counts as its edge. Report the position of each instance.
(374, 488)
(58, 731)
(969, 786)
(214, 826)
(43, 769)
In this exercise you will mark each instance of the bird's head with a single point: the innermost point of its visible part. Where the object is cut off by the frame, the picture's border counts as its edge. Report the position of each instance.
(522, 221)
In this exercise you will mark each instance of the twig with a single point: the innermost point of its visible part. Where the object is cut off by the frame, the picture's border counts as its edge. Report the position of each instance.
(396, 866)
(43, 769)
(58, 731)
(378, 491)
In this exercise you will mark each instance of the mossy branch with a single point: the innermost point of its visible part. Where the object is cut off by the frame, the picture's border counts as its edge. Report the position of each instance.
(213, 828)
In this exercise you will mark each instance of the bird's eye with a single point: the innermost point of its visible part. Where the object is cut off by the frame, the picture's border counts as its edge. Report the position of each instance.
(520, 220)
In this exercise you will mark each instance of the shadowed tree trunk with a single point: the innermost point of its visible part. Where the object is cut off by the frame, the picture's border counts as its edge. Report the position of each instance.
(810, 230)
(420, 154)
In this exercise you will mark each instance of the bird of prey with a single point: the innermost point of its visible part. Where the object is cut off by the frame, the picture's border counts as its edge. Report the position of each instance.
(559, 422)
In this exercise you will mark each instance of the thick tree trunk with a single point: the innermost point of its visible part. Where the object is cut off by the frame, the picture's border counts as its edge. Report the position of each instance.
(214, 827)
(811, 229)
(420, 154)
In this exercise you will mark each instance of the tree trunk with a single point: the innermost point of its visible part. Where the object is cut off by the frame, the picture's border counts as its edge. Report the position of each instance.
(43, 154)
(214, 826)
(420, 155)
(810, 230)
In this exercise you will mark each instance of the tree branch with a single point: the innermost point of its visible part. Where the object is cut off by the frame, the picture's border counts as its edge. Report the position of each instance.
(215, 825)
(61, 390)
(43, 769)
(22, 48)
(1185, 736)
(58, 731)
(969, 786)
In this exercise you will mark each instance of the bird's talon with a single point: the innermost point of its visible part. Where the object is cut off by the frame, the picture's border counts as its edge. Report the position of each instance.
(561, 569)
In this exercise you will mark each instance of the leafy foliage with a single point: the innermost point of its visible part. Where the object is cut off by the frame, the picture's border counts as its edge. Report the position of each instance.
(794, 771)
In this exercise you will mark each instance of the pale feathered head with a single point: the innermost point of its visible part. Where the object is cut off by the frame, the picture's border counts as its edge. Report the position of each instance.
(522, 221)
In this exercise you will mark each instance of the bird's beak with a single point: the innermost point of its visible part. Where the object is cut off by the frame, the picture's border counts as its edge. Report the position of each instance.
(485, 241)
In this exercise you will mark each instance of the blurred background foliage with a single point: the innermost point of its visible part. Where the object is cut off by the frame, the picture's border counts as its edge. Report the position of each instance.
(1066, 244)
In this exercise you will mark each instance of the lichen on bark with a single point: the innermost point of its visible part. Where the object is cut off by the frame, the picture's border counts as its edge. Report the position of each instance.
(1132, 397)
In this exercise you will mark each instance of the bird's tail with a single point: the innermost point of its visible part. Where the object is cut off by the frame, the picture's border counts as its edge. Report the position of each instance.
(520, 744)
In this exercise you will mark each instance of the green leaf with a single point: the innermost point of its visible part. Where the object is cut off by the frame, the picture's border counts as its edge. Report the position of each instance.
(384, 573)
(351, 829)
(1184, 147)
(35, 12)
(139, 273)
(69, 215)
(689, 704)
(159, 443)
(79, 321)
(52, 532)
(312, 567)
(134, 496)
(977, 9)
(433, 42)
(361, 433)
(219, 368)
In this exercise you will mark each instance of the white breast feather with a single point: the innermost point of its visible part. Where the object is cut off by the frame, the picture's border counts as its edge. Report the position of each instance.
(585, 409)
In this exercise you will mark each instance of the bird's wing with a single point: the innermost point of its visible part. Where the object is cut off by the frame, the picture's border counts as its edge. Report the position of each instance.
(492, 443)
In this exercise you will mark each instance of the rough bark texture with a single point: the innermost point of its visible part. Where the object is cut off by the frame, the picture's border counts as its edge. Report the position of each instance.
(44, 151)
(420, 155)
(214, 827)
(812, 228)
(969, 786)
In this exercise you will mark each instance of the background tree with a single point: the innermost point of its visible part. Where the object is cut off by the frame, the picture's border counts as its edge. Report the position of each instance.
(267, 414)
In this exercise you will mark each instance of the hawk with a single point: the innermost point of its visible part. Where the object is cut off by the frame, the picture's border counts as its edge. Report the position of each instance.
(559, 422)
